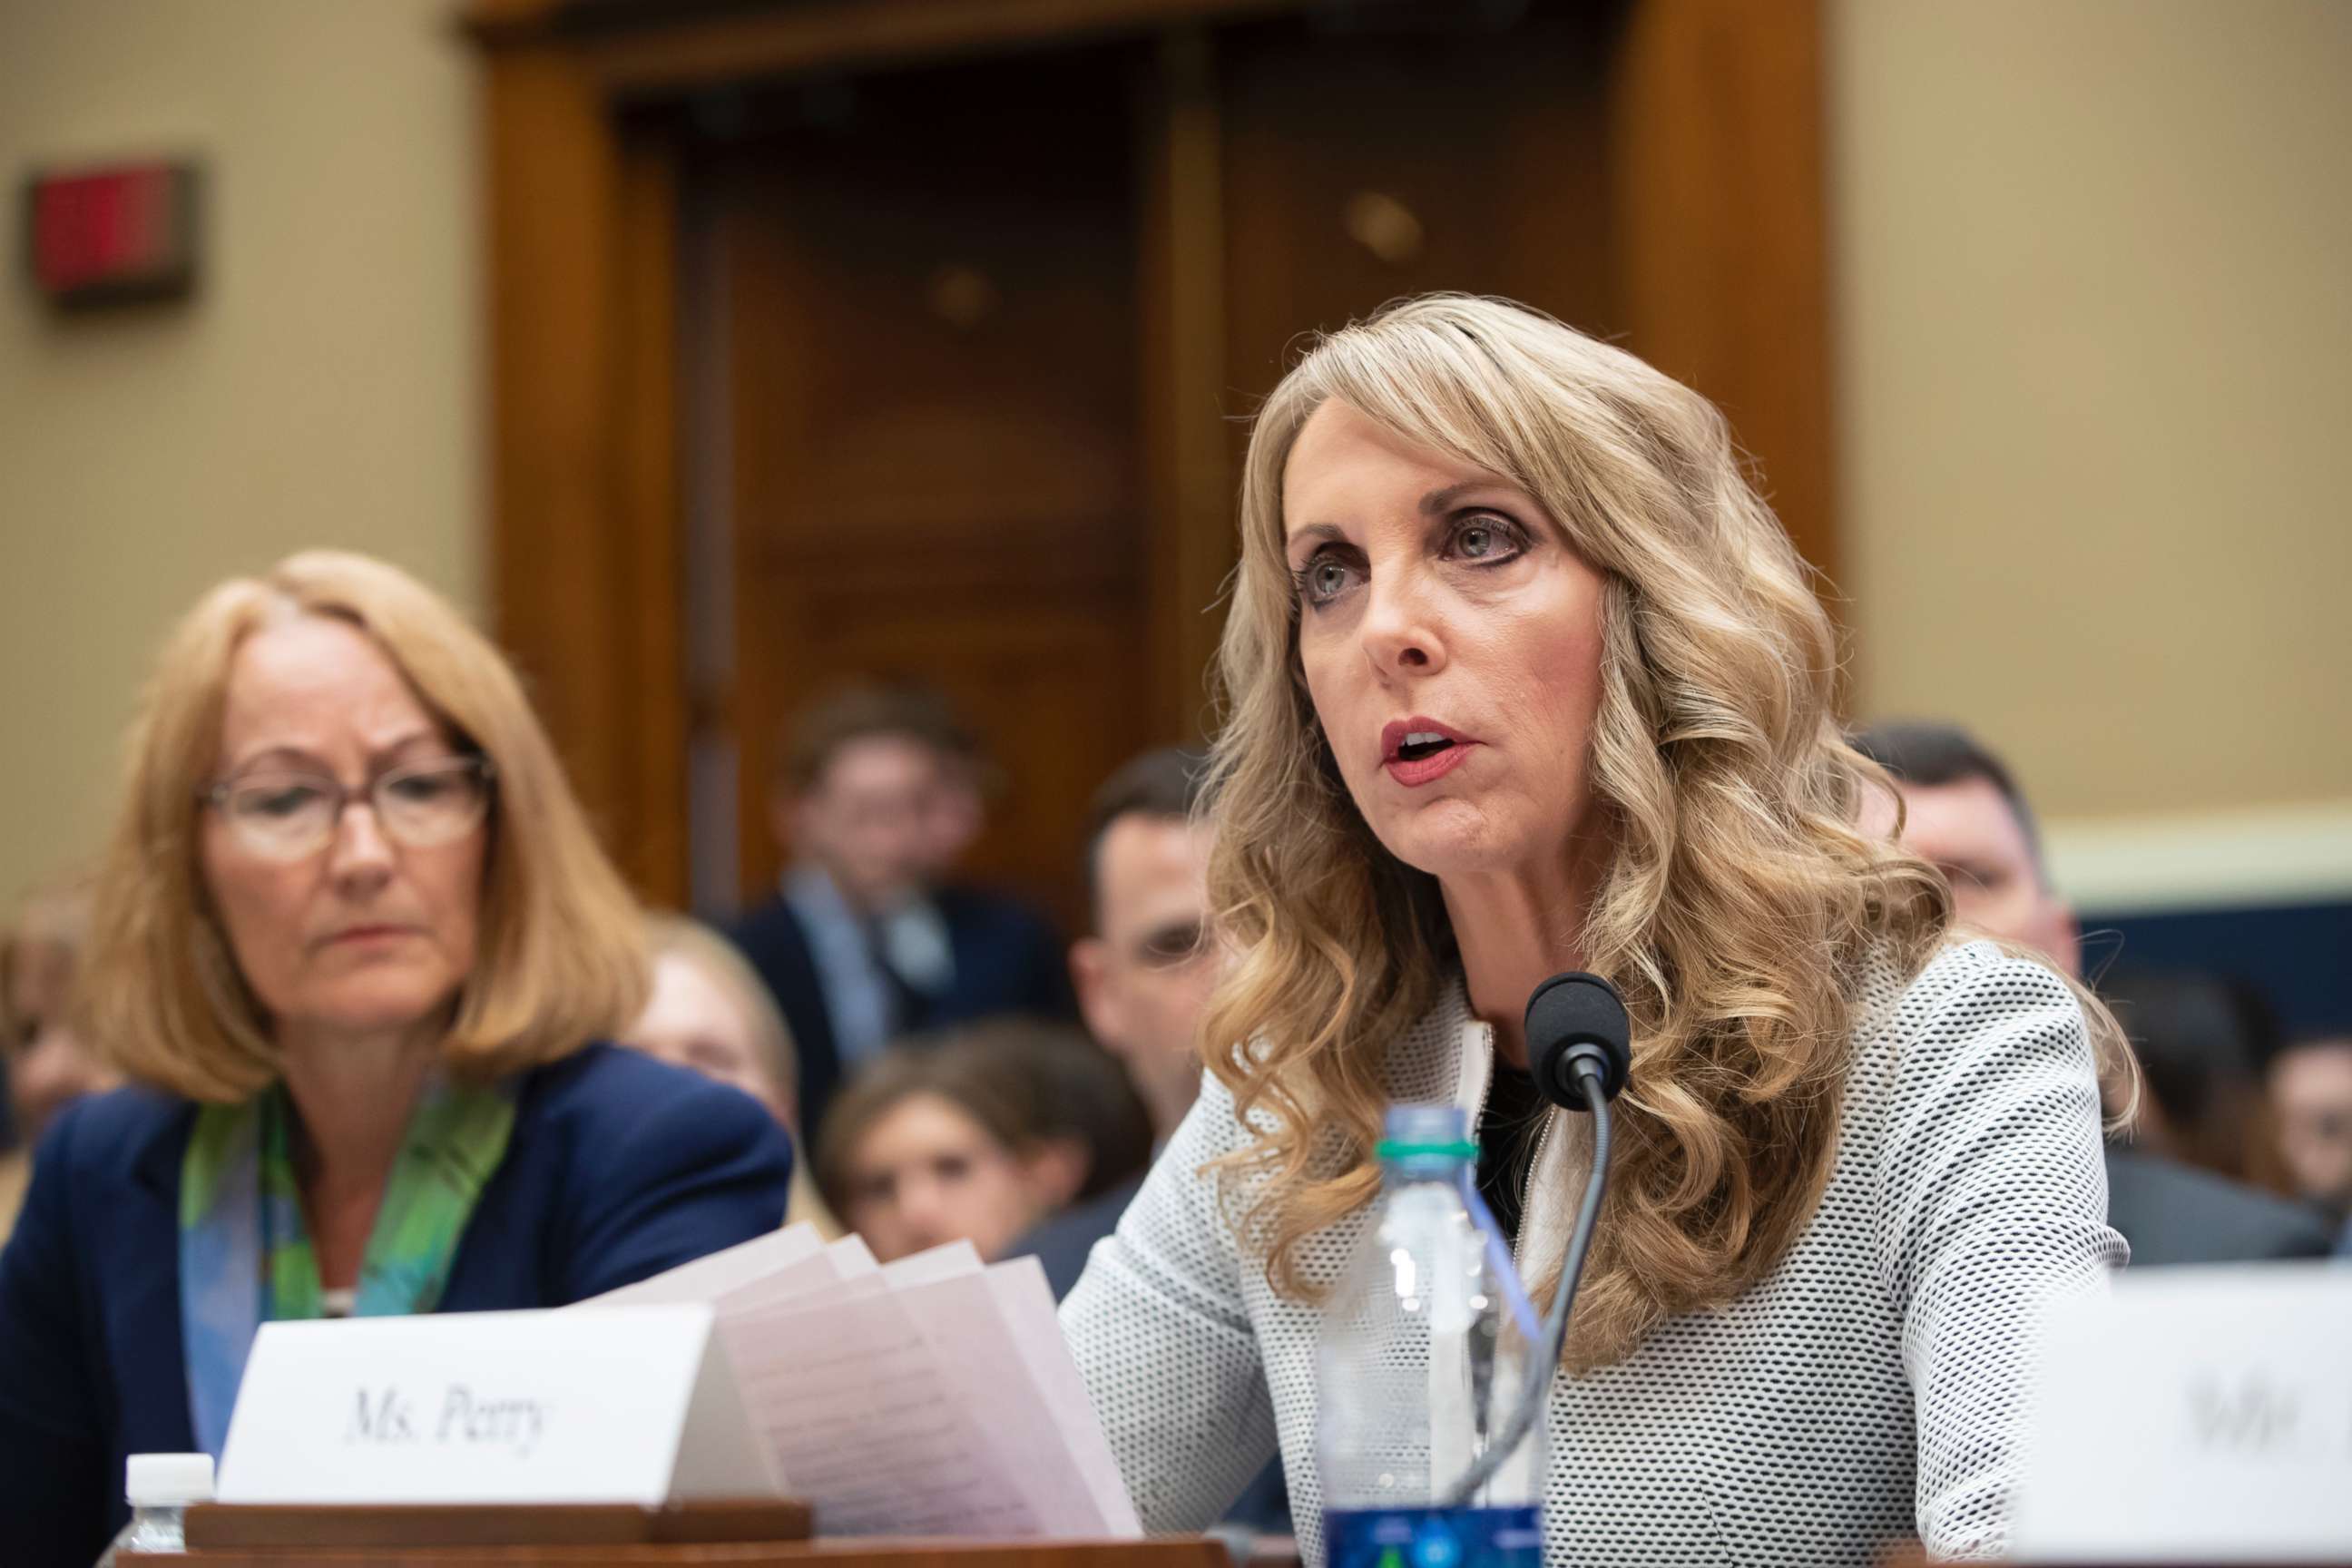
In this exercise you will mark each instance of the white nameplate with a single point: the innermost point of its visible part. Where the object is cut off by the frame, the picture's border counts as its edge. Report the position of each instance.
(633, 1405)
(2195, 1414)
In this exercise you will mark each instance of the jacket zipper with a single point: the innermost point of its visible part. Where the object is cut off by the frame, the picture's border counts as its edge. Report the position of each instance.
(1528, 1184)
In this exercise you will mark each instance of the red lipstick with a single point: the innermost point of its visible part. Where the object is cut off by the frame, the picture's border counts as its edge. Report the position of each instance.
(1419, 751)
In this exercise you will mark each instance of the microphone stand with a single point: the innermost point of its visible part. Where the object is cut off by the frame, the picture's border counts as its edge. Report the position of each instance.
(1535, 1394)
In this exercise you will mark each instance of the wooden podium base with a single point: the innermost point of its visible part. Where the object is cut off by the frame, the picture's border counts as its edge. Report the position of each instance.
(1172, 1551)
(214, 1527)
(762, 1534)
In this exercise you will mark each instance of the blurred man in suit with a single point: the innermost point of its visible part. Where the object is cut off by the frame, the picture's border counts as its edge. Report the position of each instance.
(863, 942)
(1143, 977)
(1963, 811)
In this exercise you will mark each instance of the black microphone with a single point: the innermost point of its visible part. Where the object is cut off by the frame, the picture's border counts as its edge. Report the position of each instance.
(1577, 1021)
(1579, 1050)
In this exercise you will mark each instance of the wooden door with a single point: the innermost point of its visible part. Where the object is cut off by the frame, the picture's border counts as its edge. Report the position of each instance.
(1461, 148)
(930, 283)
(984, 289)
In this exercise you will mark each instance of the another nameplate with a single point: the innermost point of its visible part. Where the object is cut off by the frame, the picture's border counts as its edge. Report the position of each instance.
(629, 1404)
(2196, 1415)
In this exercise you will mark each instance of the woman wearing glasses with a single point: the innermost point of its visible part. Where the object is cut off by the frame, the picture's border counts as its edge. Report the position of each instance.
(352, 943)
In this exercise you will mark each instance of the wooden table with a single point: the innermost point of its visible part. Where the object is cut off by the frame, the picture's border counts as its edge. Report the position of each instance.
(763, 1534)
(1173, 1551)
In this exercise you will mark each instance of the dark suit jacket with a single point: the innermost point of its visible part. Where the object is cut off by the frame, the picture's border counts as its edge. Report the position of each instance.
(618, 1167)
(1064, 1243)
(2172, 1213)
(1007, 959)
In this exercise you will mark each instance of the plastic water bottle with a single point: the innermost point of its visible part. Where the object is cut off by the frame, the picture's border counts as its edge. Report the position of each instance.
(159, 1487)
(1424, 1355)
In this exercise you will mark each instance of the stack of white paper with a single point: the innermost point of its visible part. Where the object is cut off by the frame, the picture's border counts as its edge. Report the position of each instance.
(931, 1396)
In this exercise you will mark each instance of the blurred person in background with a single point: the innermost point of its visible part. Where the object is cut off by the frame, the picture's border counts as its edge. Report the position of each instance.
(43, 1062)
(1144, 976)
(863, 944)
(2311, 1100)
(978, 1137)
(1963, 810)
(958, 812)
(2205, 1042)
(1143, 979)
(356, 946)
(709, 1012)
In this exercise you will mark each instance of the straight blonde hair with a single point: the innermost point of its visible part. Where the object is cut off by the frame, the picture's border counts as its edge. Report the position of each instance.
(672, 935)
(561, 961)
(1742, 908)
(719, 960)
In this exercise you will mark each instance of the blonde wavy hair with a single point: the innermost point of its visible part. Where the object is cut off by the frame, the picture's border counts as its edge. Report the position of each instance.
(1740, 905)
(561, 961)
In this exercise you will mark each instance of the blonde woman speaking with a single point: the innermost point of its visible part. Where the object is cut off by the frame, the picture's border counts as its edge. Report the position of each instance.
(1522, 677)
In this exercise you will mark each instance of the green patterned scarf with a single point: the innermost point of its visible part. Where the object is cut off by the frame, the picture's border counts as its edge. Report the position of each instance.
(244, 1253)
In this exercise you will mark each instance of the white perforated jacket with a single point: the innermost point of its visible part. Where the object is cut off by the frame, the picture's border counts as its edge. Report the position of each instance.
(1871, 1386)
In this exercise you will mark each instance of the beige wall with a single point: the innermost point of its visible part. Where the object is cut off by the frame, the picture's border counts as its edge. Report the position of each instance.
(2095, 355)
(321, 389)
(2094, 287)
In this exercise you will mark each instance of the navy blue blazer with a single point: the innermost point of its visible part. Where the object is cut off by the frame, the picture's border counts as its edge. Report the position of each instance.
(1064, 1242)
(618, 1167)
(1007, 959)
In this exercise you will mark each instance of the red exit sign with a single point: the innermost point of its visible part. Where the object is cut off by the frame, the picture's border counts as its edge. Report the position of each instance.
(124, 232)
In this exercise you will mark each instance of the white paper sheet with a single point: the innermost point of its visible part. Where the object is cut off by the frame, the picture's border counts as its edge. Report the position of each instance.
(852, 1257)
(974, 1342)
(929, 1396)
(807, 1280)
(957, 1257)
(711, 1278)
(1027, 1302)
(862, 1421)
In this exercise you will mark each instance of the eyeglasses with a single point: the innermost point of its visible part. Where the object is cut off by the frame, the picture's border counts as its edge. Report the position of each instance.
(288, 815)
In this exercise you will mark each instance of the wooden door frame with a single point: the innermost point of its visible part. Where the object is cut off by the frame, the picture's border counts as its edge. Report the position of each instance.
(1720, 221)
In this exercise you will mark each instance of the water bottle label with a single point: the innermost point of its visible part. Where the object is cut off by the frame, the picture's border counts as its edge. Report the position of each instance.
(1433, 1537)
